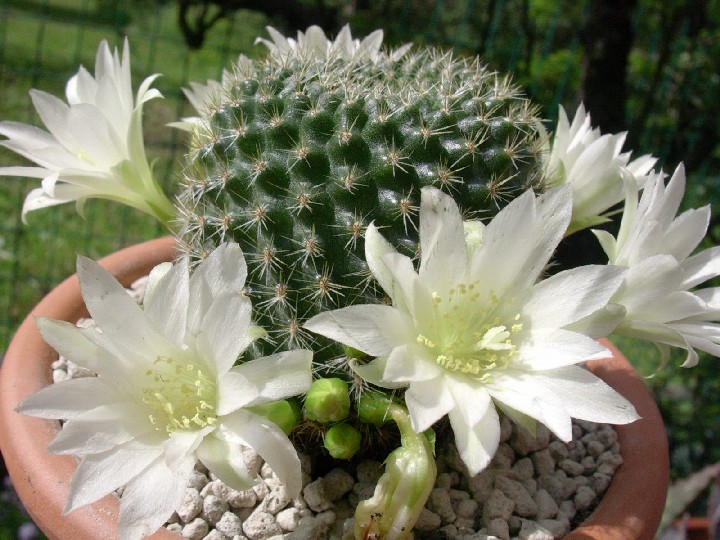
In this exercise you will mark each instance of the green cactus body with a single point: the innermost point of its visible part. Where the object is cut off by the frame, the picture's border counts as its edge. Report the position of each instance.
(300, 154)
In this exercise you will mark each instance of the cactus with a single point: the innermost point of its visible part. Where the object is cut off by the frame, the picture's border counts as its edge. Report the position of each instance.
(299, 152)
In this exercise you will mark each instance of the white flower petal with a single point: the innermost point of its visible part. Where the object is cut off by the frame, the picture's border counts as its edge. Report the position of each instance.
(166, 303)
(70, 342)
(518, 242)
(101, 429)
(182, 444)
(476, 444)
(701, 267)
(376, 248)
(100, 474)
(525, 393)
(684, 234)
(236, 391)
(269, 441)
(428, 402)
(30, 172)
(471, 401)
(587, 397)
(560, 348)
(585, 290)
(363, 327)
(114, 311)
(227, 318)
(222, 272)
(278, 376)
(600, 323)
(156, 274)
(404, 281)
(410, 363)
(53, 113)
(442, 239)
(150, 498)
(68, 399)
(225, 460)
(373, 372)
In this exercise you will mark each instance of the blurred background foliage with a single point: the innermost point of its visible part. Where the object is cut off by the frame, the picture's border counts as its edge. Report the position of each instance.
(646, 66)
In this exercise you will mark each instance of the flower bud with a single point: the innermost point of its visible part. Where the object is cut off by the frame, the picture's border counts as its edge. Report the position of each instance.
(328, 400)
(374, 408)
(285, 413)
(342, 441)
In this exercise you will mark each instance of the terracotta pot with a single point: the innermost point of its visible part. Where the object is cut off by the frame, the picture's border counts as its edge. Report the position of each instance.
(698, 528)
(631, 508)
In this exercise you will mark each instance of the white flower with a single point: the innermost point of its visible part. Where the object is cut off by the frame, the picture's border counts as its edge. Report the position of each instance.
(473, 327)
(203, 96)
(656, 247)
(591, 163)
(167, 393)
(313, 43)
(94, 144)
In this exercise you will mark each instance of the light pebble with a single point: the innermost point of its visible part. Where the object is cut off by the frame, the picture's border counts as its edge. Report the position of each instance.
(525, 506)
(261, 526)
(530, 530)
(428, 521)
(197, 529)
(191, 506)
(214, 535)
(498, 506)
(314, 494)
(499, 527)
(440, 503)
(275, 500)
(288, 519)
(229, 524)
(369, 471)
(213, 509)
(337, 484)
(547, 508)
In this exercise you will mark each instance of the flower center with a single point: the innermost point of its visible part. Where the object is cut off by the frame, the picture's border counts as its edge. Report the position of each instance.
(467, 335)
(180, 395)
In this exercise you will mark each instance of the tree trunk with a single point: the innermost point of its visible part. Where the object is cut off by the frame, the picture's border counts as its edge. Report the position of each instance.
(607, 36)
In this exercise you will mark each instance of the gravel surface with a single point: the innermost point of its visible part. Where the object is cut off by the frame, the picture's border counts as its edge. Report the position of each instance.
(536, 488)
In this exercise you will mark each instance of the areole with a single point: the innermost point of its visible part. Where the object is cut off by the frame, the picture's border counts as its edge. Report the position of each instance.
(630, 509)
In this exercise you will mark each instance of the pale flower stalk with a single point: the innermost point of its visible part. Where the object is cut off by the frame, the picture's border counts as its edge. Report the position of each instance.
(656, 246)
(475, 327)
(93, 146)
(403, 489)
(167, 392)
(591, 163)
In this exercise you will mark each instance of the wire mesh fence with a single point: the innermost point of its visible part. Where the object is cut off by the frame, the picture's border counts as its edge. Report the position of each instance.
(42, 42)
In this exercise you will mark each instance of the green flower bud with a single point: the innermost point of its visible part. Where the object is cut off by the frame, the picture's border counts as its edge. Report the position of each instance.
(285, 413)
(328, 400)
(342, 441)
(374, 408)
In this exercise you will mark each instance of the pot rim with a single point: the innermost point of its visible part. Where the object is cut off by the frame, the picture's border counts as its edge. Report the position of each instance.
(630, 509)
